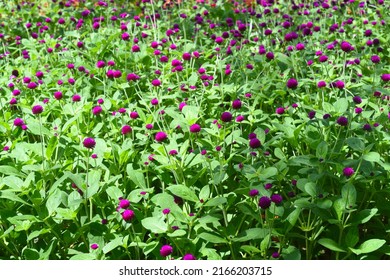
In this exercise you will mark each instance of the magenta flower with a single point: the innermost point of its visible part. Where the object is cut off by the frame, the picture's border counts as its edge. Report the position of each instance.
(100, 64)
(253, 192)
(37, 109)
(346, 47)
(166, 211)
(89, 143)
(279, 111)
(97, 110)
(348, 171)
(236, 104)
(342, 121)
(154, 101)
(76, 98)
(264, 202)
(132, 77)
(124, 203)
(188, 257)
(276, 198)
(375, 59)
(134, 115)
(292, 83)
(128, 215)
(254, 143)
(18, 122)
(94, 246)
(156, 83)
(166, 250)
(58, 95)
(226, 117)
(195, 128)
(126, 129)
(161, 136)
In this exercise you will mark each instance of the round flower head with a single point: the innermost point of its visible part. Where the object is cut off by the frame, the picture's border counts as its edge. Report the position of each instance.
(166, 211)
(346, 47)
(275, 255)
(279, 111)
(276, 198)
(154, 101)
(226, 117)
(128, 215)
(375, 59)
(166, 250)
(348, 171)
(321, 84)
(126, 129)
(37, 109)
(160, 136)
(236, 104)
(264, 202)
(124, 203)
(58, 95)
(292, 83)
(385, 77)
(253, 192)
(94, 246)
(156, 83)
(195, 128)
(76, 98)
(100, 64)
(18, 122)
(189, 257)
(254, 143)
(89, 143)
(343, 121)
(134, 115)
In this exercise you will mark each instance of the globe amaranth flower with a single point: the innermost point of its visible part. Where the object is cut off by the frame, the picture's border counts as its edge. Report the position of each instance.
(124, 203)
(375, 59)
(226, 117)
(240, 118)
(236, 104)
(346, 47)
(156, 83)
(276, 198)
(264, 202)
(126, 129)
(348, 171)
(357, 99)
(189, 257)
(275, 255)
(89, 143)
(76, 98)
(160, 136)
(195, 128)
(94, 246)
(97, 110)
(254, 143)
(280, 110)
(18, 122)
(37, 109)
(292, 83)
(342, 121)
(166, 211)
(154, 101)
(166, 250)
(132, 77)
(253, 192)
(128, 215)
(385, 77)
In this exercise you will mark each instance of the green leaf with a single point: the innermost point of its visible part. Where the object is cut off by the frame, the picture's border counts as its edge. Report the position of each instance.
(136, 176)
(372, 157)
(204, 192)
(331, 244)
(352, 236)
(13, 182)
(252, 234)
(322, 150)
(54, 201)
(113, 244)
(83, 257)
(9, 170)
(250, 249)
(177, 233)
(312, 189)
(339, 207)
(114, 192)
(265, 243)
(53, 142)
(356, 144)
(184, 192)
(369, 246)
(292, 218)
(216, 201)
(93, 182)
(348, 193)
(9, 195)
(364, 216)
(155, 224)
(268, 172)
(279, 154)
(212, 238)
(341, 105)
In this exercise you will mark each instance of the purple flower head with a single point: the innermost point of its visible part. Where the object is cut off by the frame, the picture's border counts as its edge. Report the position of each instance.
(357, 99)
(181, 106)
(189, 257)
(236, 104)
(275, 255)
(240, 118)
(264, 202)
(97, 110)
(166, 250)
(132, 77)
(154, 101)
(37, 109)
(134, 115)
(173, 152)
(346, 47)
(32, 85)
(18, 122)
(226, 116)
(348, 171)
(268, 186)
(385, 77)
(166, 211)
(89, 143)
(342, 121)
(160, 136)
(128, 215)
(375, 59)
(126, 129)
(76, 98)
(149, 126)
(156, 83)
(195, 128)
(253, 192)
(276, 198)
(311, 114)
(292, 83)
(254, 143)
(94, 246)
(100, 64)
(280, 110)
(58, 95)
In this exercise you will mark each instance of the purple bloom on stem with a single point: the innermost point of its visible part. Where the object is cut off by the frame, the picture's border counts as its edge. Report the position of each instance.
(346, 47)
(264, 202)
(343, 121)
(226, 116)
(161, 136)
(126, 129)
(254, 143)
(348, 171)
(189, 257)
(156, 83)
(97, 110)
(89, 143)
(134, 115)
(279, 111)
(385, 77)
(236, 104)
(375, 59)
(195, 128)
(276, 198)
(166, 250)
(292, 83)
(253, 192)
(166, 211)
(128, 215)
(37, 109)
(124, 203)
(94, 246)
(18, 122)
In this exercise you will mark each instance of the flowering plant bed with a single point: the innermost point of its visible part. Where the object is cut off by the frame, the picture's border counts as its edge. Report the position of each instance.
(194, 130)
